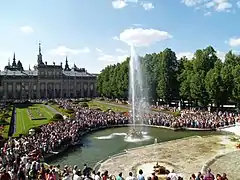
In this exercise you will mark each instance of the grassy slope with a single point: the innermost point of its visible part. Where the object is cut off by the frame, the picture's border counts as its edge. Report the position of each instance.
(24, 122)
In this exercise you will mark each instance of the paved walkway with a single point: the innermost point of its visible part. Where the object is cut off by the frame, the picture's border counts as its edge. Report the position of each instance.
(52, 109)
(186, 156)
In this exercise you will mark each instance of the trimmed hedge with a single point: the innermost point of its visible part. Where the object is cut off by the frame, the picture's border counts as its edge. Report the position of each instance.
(57, 117)
(84, 104)
(69, 111)
(5, 116)
(40, 118)
(81, 100)
(3, 122)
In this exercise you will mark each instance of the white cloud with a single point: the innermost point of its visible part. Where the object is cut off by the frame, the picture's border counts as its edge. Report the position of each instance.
(238, 4)
(98, 50)
(216, 5)
(147, 6)
(222, 5)
(191, 3)
(121, 50)
(188, 55)
(118, 4)
(143, 37)
(112, 58)
(116, 38)
(64, 51)
(233, 42)
(26, 29)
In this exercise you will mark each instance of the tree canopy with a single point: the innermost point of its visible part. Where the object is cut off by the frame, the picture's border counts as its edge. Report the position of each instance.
(201, 80)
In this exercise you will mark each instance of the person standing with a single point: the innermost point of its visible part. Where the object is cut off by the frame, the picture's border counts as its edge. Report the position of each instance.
(140, 175)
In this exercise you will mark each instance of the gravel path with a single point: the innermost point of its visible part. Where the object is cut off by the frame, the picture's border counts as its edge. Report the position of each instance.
(186, 155)
(52, 109)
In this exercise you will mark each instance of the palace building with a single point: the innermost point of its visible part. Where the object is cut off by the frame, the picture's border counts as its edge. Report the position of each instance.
(45, 81)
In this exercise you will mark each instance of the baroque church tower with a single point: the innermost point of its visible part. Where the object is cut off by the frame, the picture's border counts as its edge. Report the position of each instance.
(40, 61)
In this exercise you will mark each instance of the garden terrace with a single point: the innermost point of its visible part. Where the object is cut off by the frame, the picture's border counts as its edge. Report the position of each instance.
(35, 113)
(31, 116)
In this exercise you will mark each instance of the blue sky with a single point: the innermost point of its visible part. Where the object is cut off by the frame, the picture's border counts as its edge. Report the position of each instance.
(96, 33)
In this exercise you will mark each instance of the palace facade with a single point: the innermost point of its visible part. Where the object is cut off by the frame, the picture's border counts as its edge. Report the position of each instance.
(45, 81)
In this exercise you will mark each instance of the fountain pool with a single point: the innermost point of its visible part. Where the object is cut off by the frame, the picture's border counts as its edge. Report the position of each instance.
(104, 143)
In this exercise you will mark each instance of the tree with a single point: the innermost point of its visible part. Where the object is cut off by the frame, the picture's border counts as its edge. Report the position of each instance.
(214, 84)
(203, 79)
(167, 87)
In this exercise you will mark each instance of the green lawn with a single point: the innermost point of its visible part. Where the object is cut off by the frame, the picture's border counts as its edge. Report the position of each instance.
(36, 113)
(24, 122)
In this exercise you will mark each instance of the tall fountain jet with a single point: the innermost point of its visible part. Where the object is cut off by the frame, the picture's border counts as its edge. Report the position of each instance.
(138, 94)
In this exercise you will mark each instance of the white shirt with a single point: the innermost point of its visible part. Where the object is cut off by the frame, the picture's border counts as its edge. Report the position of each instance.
(97, 177)
(173, 176)
(66, 178)
(76, 177)
(131, 178)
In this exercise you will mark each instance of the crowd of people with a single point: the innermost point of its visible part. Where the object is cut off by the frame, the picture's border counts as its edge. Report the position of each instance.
(22, 157)
(36, 171)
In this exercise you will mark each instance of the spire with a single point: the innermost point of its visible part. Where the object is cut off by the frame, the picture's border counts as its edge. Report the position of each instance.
(29, 68)
(40, 62)
(14, 56)
(66, 65)
(14, 60)
(9, 62)
(39, 49)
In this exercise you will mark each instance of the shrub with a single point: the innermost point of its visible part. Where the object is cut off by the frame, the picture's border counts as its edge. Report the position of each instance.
(69, 111)
(98, 109)
(84, 100)
(57, 117)
(5, 116)
(84, 104)
(37, 129)
(176, 114)
(3, 122)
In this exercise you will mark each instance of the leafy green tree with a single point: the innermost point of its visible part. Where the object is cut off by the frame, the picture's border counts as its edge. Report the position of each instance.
(214, 84)
(201, 80)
